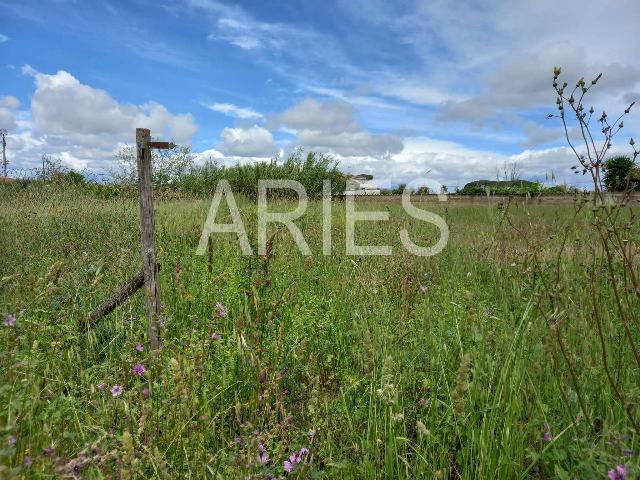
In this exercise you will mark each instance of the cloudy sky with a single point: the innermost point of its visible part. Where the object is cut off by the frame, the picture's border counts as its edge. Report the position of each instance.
(444, 89)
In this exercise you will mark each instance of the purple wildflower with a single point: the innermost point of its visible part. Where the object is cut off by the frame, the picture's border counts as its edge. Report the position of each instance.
(116, 390)
(239, 440)
(263, 456)
(289, 464)
(139, 348)
(138, 369)
(146, 393)
(628, 452)
(294, 459)
(27, 461)
(620, 473)
(215, 337)
(10, 320)
(221, 310)
(12, 441)
(100, 386)
(547, 436)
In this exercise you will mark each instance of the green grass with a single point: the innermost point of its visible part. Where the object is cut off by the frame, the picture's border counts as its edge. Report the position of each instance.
(457, 381)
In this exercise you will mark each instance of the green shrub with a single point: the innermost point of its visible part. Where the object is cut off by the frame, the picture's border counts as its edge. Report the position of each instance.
(310, 170)
(618, 175)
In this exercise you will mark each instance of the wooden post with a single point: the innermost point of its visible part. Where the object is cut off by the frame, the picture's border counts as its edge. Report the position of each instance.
(148, 237)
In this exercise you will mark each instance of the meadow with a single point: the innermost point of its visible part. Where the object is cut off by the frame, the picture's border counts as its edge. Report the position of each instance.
(483, 361)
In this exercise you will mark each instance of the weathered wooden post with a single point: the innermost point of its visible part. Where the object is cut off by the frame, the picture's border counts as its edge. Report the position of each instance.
(147, 232)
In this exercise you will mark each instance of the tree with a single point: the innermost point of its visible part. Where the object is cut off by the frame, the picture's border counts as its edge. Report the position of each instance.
(167, 165)
(618, 175)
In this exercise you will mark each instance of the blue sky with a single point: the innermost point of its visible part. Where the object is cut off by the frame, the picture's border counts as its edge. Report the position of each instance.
(450, 90)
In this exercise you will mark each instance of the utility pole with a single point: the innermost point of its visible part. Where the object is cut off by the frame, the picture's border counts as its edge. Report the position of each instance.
(3, 133)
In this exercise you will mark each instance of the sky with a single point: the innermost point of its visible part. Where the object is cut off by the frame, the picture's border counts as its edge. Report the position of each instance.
(451, 91)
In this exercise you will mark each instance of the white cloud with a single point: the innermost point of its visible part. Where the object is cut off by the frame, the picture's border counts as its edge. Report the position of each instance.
(247, 142)
(332, 127)
(452, 164)
(3, 38)
(233, 110)
(9, 112)
(311, 114)
(81, 125)
(61, 105)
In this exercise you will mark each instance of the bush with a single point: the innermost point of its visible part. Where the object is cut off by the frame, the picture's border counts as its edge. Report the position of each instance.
(502, 187)
(620, 174)
(310, 170)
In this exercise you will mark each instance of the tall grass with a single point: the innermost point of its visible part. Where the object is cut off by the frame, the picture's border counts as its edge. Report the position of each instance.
(310, 170)
(382, 367)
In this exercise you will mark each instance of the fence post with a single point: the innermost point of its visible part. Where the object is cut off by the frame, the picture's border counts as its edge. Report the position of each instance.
(148, 239)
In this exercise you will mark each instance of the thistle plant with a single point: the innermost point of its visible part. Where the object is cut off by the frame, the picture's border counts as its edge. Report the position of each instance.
(613, 258)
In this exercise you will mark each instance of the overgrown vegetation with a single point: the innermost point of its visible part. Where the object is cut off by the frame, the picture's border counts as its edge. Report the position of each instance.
(401, 367)
(512, 354)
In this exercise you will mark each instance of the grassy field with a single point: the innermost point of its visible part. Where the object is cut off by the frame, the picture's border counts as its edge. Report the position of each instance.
(480, 362)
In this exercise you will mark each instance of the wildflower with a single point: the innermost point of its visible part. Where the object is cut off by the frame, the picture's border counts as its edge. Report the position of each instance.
(9, 320)
(100, 386)
(221, 310)
(239, 440)
(12, 441)
(424, 288)
(139, 347)
(146, 393)
(289, 464)
(547, 433)
(27, 461)
(628, 452)
(620, 473)
(116, 390)
(263, 456)
(215, 336)
(138, 369)
(294, 459)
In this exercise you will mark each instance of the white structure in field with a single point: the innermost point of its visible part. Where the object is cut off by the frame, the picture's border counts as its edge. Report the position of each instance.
(361, 185)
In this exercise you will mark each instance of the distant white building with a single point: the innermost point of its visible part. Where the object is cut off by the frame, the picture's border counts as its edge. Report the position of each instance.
(361, 185)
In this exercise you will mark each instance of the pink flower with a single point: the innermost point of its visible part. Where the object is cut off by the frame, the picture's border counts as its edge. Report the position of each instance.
(289, 464)
(294, 459)
(263, 456)
(116, 390)
(10, 320)
(100, 386)
(138, 369)
(221, 310)
(620, 473)
(547, 433)
(215, 336)
(146, 393)
(139, 347)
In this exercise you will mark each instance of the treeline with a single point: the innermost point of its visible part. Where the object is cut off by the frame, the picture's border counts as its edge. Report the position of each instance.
(512, 187)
